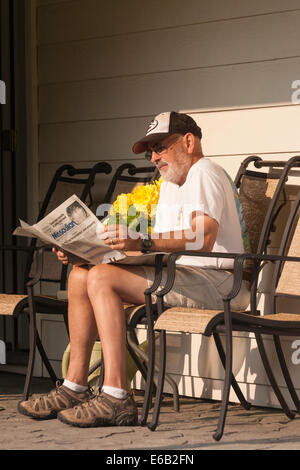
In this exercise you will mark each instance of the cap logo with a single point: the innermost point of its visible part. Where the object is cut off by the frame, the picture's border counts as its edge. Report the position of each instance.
(152, 126)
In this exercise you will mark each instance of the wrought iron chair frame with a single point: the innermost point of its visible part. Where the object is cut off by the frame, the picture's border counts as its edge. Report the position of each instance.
(224, 318)
(31, 303)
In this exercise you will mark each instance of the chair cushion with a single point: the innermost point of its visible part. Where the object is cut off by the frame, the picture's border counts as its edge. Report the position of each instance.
(187, 320)
(11, 304)
(8, 302)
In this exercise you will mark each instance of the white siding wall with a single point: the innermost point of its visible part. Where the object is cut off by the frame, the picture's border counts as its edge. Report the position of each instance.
(104, 69)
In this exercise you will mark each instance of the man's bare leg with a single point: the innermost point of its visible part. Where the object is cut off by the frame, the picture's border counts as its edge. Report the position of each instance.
(109, 287)
(82, 327)
(83, 332)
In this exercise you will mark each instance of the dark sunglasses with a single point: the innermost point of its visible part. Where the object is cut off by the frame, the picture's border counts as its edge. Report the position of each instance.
(159, 148)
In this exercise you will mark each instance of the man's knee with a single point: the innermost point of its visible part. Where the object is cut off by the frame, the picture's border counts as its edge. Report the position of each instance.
(100, 277)
(78, 277)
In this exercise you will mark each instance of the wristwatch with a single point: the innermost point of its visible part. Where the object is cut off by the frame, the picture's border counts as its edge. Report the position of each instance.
(146, 242)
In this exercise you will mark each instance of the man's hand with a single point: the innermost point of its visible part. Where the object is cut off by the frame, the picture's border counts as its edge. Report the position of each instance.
(117, 237)
(61, 256)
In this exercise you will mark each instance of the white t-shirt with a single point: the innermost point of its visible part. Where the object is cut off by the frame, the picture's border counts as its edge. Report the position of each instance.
(210, 190)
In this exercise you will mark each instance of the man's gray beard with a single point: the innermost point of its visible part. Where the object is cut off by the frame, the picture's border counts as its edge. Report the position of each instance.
(177, 169)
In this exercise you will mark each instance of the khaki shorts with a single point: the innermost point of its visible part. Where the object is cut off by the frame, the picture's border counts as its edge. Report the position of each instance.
(196, 287)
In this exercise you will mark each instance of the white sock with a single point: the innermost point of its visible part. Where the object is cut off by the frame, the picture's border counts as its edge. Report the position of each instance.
(75, 387)
(115, 392)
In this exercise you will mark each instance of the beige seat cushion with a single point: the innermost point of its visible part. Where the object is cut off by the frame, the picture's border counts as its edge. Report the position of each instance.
(8, 302)
(11, 304)
(189, 320)
(186, 320)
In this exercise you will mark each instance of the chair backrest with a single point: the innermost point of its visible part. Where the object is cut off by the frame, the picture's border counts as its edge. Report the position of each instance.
(260, 195)
(67, 180)
(256, 191)
(287, 274)
(126, 178)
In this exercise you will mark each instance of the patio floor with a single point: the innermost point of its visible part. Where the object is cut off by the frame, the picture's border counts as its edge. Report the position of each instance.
(190, 429)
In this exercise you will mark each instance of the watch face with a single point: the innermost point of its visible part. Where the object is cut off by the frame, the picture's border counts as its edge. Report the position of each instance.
(146, 243)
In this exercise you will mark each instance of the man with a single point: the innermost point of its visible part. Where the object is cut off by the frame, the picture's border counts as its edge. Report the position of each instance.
(198, 209)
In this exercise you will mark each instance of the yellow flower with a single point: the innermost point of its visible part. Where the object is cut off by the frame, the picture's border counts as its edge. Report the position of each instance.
(122, 204)
(147, 195)
(142, 201)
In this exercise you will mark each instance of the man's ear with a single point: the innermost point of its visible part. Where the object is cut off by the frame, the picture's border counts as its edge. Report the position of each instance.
(189, 142)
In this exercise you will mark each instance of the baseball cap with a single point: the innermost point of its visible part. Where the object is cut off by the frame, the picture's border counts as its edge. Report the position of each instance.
(165, 124)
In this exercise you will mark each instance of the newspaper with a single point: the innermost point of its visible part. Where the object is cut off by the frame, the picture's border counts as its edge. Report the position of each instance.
(72, 227)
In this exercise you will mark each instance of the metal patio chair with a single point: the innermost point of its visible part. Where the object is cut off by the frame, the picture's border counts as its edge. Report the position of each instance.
(42, 265)
(286, 285)
(259, 193)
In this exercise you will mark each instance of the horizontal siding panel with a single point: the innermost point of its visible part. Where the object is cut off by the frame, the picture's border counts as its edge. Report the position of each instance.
(92, 140)
(186, 47)
(81, 19)
(261, 130)
(228, 86)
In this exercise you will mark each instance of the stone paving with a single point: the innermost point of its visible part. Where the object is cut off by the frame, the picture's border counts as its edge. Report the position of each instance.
(190, 429)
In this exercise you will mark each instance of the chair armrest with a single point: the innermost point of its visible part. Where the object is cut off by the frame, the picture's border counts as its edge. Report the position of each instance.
(171, 264)
(272, 258)
(158, 274)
